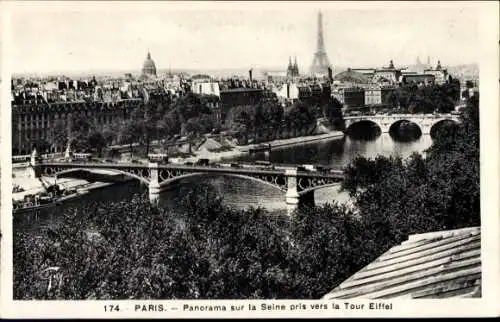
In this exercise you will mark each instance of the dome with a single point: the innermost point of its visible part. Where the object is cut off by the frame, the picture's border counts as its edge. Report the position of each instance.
(352, 77)
(149, 67)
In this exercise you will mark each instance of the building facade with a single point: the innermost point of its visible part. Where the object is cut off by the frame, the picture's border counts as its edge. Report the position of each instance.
(388, 75)
(373, 96)
(350, 97)
(205, 88)
(419, 79)
(33, 122)
(288, 93)
(235, 97)
(440, 74)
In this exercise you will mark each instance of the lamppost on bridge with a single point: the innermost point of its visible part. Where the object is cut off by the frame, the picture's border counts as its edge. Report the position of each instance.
(34, 168)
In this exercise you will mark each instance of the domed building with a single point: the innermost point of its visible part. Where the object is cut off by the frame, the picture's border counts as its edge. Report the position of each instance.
(149, 67)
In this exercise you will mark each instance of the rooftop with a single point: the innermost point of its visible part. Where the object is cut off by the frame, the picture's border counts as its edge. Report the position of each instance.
(441, 264)
(353, 77)
(241, 89)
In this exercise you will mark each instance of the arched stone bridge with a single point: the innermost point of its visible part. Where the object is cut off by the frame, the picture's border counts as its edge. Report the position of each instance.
(384, 122)
(298, 185)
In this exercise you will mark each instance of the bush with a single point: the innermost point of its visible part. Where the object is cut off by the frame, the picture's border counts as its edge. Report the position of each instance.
(121, 250)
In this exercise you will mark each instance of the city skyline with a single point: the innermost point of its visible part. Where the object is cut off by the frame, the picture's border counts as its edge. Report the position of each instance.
(84, 37)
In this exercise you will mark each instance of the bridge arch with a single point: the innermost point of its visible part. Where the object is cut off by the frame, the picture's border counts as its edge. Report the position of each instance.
(435, 125)
(353, 126)
(144, 179)
(385, 122)
(394, 127)
(350, 122)
(312, 189)
(274, 181)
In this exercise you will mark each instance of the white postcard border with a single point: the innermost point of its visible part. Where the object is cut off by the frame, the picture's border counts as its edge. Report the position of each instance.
(488, 305)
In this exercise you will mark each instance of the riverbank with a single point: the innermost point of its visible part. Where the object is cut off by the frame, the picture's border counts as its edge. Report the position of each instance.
(238, 151)
(282, 143)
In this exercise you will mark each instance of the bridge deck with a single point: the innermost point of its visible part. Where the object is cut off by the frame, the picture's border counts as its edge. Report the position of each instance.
(413, 116)
(196, 168)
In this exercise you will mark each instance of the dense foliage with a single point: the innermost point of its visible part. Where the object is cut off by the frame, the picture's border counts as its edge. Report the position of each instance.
(155, 120)
(268, 120)
(411, 98)
(130, 249)
(400, 197)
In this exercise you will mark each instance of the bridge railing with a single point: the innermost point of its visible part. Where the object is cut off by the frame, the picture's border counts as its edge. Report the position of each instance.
(27, 157)
(82, 156)
(158, 157)
(216, 167)
(406, 115)
(20, 158)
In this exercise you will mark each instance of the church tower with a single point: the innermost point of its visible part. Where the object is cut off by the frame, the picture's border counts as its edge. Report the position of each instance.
(295, 68)
(289, 69)
(438, 67)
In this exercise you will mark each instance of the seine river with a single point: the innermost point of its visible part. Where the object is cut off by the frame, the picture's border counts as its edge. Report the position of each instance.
(241, 193)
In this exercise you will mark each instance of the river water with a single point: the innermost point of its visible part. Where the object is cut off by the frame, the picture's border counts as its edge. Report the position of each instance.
(242, 193)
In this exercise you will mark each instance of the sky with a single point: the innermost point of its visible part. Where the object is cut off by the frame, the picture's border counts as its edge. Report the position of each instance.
(56, 36)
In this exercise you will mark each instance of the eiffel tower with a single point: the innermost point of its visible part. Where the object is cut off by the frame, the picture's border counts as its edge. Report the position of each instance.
(320, 62)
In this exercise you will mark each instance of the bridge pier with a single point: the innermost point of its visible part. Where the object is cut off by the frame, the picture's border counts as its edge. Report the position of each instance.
(154, 192)
(292, 195)
(266, 155)
(425, 128)
(34, 169)
(384, 128)
(154, 185)
(68, 154)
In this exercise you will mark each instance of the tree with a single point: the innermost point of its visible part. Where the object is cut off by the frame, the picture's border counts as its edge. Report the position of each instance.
(130, 133)
(333, 112)
(204, 250)
(42, 145)
(189, 106)
(147, 129)
(193, 129)
(96, 141)
(58, 135)
(80, 129)
(299, 116)
(110, 133)
(240, 121)
(168, 125)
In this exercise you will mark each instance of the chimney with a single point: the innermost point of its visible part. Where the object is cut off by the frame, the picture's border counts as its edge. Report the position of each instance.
(250, 75)
(330, 74)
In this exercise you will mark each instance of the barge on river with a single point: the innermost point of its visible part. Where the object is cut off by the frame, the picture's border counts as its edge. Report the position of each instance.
(45, 202)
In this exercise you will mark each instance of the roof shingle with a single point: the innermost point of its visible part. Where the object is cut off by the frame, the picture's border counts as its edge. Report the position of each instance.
(431, 265)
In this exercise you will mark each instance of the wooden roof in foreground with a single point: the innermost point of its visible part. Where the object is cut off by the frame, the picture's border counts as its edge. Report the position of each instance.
(432, 265)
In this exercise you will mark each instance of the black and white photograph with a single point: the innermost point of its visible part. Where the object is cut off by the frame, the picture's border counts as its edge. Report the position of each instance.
(255, 151)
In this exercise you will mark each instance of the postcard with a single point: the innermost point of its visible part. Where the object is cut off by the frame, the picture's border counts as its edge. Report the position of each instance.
(249, 159)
